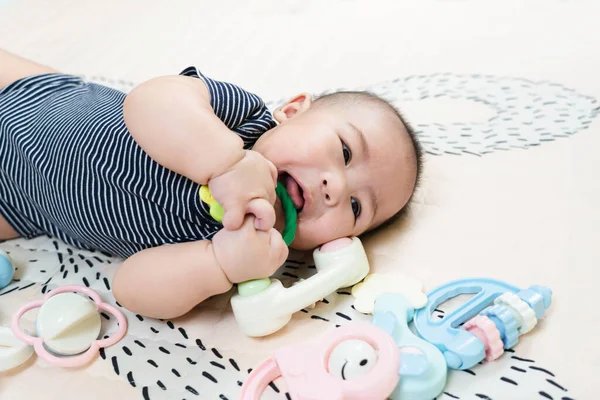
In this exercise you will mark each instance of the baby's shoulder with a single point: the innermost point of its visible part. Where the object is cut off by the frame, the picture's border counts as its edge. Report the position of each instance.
(242, 111)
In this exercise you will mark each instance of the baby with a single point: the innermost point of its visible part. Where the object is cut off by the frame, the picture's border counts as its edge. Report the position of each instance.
(120, 173)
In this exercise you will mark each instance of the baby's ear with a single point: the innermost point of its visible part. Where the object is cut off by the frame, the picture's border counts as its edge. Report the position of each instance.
(295, 106)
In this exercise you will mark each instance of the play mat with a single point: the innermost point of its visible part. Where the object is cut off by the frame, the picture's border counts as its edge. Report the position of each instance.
(504, 96)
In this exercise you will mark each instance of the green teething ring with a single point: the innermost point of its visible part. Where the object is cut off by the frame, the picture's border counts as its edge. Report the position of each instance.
(291, 215)
(255, 286)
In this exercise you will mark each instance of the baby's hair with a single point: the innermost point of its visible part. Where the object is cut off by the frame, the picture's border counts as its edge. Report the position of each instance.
(348, 97)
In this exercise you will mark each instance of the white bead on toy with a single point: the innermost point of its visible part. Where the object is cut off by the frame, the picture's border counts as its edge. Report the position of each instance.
(69, 323)
(524, 314)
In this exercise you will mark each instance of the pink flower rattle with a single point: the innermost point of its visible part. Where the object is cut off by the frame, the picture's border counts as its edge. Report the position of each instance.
(68, 326)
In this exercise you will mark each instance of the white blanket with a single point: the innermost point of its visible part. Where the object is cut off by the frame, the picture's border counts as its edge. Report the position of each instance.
(504, 95)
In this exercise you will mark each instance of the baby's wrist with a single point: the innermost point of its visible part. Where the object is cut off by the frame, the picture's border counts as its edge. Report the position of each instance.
(223, 249)
(228, 162)
(220, 280)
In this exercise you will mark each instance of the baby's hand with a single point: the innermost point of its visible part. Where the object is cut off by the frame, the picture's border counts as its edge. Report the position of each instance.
(248, 187)
(248, 253)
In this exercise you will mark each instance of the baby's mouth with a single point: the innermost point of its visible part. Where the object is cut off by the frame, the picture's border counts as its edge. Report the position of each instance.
(293, 189)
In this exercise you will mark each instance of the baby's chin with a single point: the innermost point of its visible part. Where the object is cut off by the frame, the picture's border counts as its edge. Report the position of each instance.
(300, 245)
(305, 241)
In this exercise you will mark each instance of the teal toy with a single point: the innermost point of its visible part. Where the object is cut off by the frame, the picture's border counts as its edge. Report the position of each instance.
(423, 369)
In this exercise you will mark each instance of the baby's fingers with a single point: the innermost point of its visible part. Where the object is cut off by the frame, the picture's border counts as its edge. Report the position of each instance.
(233, 218)
(279, 250)
(263, 212)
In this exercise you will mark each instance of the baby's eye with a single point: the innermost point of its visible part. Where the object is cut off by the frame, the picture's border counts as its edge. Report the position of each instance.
(347, 153)
(355, 207)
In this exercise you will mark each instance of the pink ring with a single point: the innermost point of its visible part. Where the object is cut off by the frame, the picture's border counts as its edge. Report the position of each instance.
(485, 330)
(69, 361)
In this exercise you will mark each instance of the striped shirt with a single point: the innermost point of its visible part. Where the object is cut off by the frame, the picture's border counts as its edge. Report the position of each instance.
(69, 167)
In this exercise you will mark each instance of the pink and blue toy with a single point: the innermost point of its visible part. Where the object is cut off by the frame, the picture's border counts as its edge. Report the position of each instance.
(386, 360)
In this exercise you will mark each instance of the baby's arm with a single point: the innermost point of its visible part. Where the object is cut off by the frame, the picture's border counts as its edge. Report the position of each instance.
(173, 121)
(171, 118)
(168, 281)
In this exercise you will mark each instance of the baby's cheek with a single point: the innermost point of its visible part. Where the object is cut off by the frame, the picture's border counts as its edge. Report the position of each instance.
(324, 229)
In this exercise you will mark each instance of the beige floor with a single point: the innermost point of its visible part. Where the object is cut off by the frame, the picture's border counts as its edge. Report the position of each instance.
(528, 217)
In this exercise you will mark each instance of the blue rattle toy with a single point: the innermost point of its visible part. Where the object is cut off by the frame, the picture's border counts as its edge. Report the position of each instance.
(7, 271)
(493, 319)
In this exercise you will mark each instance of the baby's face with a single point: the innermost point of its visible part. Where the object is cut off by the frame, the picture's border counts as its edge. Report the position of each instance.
(347, 168)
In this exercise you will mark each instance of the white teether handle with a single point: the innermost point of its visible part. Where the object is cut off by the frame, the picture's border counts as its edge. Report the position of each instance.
(268, 311)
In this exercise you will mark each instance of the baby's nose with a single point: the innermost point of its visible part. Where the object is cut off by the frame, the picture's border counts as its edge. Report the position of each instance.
(332, 189)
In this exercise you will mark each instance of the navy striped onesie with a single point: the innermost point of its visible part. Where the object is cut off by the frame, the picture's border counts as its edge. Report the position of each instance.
(69, 167)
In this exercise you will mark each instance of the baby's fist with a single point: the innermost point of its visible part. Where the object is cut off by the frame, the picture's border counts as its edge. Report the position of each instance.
(248, 253)
(248, 187)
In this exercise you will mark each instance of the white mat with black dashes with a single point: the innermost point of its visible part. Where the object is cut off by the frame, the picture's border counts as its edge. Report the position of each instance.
(164, 361)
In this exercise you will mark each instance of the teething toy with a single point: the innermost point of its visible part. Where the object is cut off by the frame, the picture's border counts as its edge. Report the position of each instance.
(340, 263)
(354, 362)
(291, 215)
(7, 270)
(215, 209)
(263, 306)
(67, 326)
(422, 366)
(497, 314)
(12, 351)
